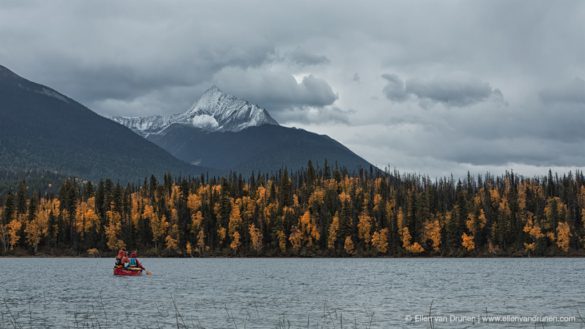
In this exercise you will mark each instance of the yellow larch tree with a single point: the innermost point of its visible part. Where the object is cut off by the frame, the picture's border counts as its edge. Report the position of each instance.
(175, 194)
(38, 227)
(295, 238)
(317, 197)
(113, 230)
(333, 231)
(534, 232)
(400, 219)
(344, 197)
(475, 223)
(348, 246)
(408, 245)
(432, 232)
(494, 197)
(255, 238)
(172, 238)
(198, 230)
(221, 234)
(235, 244)
(235, 219)
(467, 242)
(563, 236)
(13, 230)
(201, 241)
(261, 195)
(281, 240)
(380, 241)
(135, 209)
(188, 249)
(196, 222)
(158, 225)
(528, 247)
(270, 211)
(365, 228)
(194, 202)
(522, 188)
(86, 218)
(555, 210)
(378, 203)
(308, 228)
(249, 207)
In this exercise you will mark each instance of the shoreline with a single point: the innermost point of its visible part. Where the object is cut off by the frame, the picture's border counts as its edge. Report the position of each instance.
(300, 257)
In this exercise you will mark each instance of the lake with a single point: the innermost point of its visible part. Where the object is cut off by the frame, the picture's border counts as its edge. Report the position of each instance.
(293, 293)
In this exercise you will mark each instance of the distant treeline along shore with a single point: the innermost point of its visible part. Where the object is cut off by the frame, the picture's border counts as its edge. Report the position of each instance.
(312, 212)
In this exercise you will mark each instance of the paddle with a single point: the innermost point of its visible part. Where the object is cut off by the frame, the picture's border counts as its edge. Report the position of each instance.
(149, 273)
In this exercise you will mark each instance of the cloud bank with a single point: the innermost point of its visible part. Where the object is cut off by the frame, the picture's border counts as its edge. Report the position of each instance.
(425, 86)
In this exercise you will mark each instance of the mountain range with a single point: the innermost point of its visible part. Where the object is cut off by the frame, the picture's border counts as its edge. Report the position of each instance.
(230, 134)
(42, 130)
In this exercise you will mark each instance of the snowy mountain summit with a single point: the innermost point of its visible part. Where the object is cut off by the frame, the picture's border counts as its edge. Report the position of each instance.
(214, 111)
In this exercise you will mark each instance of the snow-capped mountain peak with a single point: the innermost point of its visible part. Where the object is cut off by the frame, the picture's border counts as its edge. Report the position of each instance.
(213, 111)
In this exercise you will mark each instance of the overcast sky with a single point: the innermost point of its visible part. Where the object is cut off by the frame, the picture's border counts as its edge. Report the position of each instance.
(434, 87)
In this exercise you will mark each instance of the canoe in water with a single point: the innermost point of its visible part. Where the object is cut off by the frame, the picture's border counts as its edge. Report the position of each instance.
(127, 272)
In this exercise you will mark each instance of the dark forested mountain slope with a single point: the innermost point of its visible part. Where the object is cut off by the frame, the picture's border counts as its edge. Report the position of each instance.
(41, 129)
(262, 148)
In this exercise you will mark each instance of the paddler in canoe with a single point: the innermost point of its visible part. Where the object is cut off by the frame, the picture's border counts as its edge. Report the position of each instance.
(121, 258)
(128, 266)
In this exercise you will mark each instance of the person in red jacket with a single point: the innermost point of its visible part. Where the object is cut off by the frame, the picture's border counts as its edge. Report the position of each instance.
(120, 258)
(134, 262)
(125, 259)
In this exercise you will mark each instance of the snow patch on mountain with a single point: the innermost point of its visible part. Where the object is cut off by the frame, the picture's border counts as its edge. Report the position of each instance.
(205, 121)
(144, 125)
(213, 111)
(52, 93)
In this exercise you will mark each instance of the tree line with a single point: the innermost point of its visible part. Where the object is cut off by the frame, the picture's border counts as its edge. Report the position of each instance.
(312, 212)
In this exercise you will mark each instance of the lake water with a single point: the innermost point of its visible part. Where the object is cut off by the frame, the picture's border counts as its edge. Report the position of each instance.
(293, 293)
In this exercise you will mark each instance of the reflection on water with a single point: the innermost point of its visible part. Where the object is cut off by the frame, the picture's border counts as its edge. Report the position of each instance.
(273, 293)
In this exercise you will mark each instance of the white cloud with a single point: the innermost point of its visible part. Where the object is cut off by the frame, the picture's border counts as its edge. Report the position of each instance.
(458, 91)
(276, 90)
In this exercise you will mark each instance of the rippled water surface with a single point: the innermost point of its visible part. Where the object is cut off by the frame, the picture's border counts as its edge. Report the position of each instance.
(291, 293)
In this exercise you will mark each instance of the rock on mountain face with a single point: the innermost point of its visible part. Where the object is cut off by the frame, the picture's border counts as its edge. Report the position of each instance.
(214, 111)
(144, 125)
(43, 130)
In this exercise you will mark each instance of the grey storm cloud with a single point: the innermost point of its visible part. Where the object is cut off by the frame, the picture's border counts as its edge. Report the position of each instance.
(312, 115)
(303, 57)
(395, 88)
(317, 66)
(275, 91)
(448, 91)
(568, 92)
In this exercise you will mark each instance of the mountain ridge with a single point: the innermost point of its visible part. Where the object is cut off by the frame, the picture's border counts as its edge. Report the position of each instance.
(42, 129)
(231, 134)
(214, 110)
(266, 148)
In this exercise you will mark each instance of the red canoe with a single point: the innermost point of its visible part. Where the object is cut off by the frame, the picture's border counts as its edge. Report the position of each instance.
(121, 271)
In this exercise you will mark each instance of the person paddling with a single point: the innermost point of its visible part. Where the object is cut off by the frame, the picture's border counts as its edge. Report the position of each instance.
(125, 259)
(120, 258)
(128, 266)
(134, 262)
